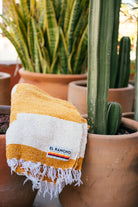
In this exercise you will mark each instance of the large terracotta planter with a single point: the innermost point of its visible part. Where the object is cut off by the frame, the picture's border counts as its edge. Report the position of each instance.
(54, 84)
(5, 93)
(10, 68)
(77, 94)
(109, 172)
(13, 193)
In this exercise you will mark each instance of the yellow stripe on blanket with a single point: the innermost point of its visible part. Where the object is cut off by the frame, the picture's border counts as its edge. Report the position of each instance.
(46, 139)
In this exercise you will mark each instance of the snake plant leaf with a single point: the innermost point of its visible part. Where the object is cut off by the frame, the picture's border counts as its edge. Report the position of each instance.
(17, 34)
(67, 17)
(72, 24)
(42, 20)
(41, 6)
(15, 17)
(25, 10)
(10, 5)
(52, 28)
(42, 44)
(34, 42)
(81, 25)
(42, 15)
(54, 66)
(30, 35)
(62, 14)
(80, 54)
(82, 22)
(63, 51)
(15, 43)
(57, 4)
(32, 5)
(47, 60)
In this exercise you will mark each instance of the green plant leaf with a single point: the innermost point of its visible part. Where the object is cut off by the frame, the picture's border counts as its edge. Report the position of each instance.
(72, 24)
(52, 29)
(15, 43)
(24, 6)
(81, 52)
(63, 52)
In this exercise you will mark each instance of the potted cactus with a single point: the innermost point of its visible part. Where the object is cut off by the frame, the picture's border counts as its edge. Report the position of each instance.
(50, 38)
(119, 88)
(110, 166)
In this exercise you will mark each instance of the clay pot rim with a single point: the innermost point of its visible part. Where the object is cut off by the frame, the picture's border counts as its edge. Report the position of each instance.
(132, 124)
(10, 62)
(130, 87)
(79, 82)
(4, 75)
(50, 76)
(128, 114)
(5, 109)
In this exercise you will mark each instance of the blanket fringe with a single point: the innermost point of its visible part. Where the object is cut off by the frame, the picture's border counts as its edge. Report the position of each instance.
(36, 173)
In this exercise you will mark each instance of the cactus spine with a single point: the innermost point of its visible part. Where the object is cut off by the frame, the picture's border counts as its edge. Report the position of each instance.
(123, 63)
(114, 58)
(101, 18)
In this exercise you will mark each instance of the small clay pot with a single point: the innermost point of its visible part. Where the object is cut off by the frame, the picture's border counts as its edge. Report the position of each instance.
(77, 95)
(10, 68)
(54, 84)
(124, 96)
(5, 88)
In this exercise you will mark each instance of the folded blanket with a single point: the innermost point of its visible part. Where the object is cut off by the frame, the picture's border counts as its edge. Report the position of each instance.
(46, 139)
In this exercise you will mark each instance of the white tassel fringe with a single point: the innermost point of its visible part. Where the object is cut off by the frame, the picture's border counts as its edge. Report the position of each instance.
(35, 171)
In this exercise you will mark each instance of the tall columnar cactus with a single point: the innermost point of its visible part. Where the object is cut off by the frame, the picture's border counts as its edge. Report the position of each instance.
(123, 63)
(113, 63)
(101, 19)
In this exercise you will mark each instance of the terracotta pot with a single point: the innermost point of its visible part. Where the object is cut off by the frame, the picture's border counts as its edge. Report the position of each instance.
(13, 193)
(124, 96)
(5, 88)
(109, 172)
(129, 115)
(56, 85)
(77, 94)
(10, 68)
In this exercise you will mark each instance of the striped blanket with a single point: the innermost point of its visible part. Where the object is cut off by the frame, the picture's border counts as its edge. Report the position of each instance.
(46, 139)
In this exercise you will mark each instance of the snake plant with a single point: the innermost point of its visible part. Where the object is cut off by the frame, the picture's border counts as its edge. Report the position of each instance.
(50, 36)
(103, 118)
